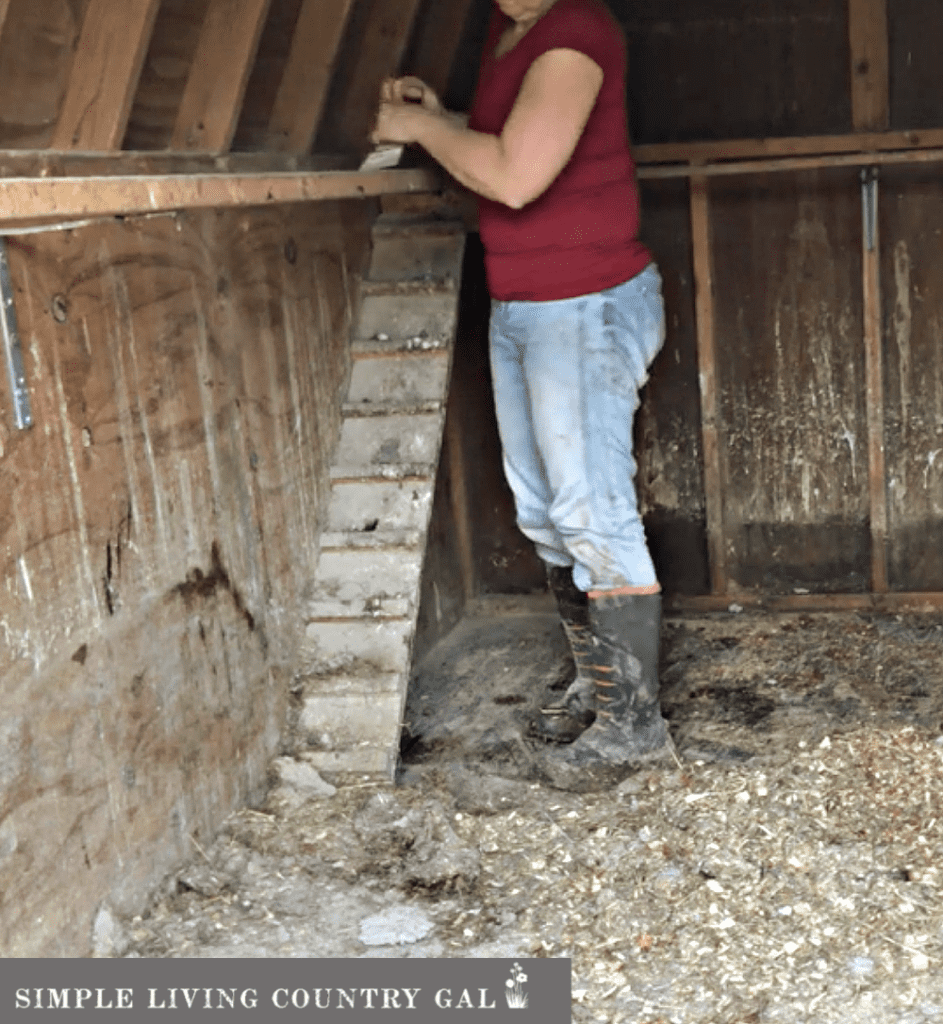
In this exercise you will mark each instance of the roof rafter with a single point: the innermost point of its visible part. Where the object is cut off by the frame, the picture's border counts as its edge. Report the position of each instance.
(104, 74)
(307, 76)
(870, 64)
(209, 110)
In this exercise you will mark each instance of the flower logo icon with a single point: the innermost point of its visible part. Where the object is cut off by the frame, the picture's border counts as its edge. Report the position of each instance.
(514, 988)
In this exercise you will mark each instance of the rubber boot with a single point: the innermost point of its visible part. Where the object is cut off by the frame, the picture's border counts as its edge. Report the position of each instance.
(564, 720)
(629, 730)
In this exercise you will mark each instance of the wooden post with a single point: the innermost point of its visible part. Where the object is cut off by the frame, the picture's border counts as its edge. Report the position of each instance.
(870, 106)
(4, 9)
(707, 373)
(439, 38)
(213, 96)
(307, 75)
(870, 76)
(104, 74)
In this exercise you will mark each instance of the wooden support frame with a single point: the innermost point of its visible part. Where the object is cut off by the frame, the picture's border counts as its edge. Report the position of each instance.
(786, 146)
(212, 99)
(701, 251)
(439, 40)
(886, 603)
(128, 195)
(870, 64)
(303, 90)
(104, 75)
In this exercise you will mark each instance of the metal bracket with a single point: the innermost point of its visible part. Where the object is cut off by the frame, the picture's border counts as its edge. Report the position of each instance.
(869, 204)
(12, 353)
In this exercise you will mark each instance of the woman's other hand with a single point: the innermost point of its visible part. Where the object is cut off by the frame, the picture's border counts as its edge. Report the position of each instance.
(404, 102)
(410, 89)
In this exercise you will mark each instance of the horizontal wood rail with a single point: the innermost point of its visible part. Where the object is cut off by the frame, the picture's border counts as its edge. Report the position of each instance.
(805, 145)
(890, 602)
(51, 185)
(26, 199)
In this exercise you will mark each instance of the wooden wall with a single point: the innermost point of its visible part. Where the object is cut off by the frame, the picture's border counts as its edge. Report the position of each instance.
(158, 525)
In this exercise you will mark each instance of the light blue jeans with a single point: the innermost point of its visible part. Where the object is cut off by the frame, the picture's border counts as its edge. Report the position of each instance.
(567, 376)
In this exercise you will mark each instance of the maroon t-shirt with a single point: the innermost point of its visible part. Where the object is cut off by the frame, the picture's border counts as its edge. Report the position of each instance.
(579, 236)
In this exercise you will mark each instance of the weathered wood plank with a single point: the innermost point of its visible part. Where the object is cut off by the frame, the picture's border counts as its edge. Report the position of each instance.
(59, 164)
(702, 258)
(795, 163)
(811, 145)
(792, 381)
(307, 76)
(889, 603)
(911, 304)
(84, 197)
(157, 529)
(104, 75)
(439, 35)
(870, 76)
(211, 101)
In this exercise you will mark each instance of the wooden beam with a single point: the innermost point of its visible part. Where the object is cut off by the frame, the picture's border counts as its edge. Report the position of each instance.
(212, 99)
(790, 163)
(72, 198)
(870, 76)
(707, 373)
(307, 75)
(104, 75)
(917, 601)
(57, 164)
(439, 37)
(379, 55)
(802, 145)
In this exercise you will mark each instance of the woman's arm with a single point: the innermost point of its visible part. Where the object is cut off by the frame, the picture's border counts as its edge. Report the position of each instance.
(541, 132)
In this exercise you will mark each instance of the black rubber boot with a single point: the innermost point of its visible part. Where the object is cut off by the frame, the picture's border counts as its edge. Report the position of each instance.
(563, 721)
(629, 730)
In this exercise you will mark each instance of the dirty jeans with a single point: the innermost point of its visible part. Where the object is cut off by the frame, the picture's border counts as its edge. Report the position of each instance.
(567, 375)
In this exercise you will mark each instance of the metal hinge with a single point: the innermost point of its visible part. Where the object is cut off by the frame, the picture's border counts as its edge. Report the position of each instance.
(869, 204)
(12, 352)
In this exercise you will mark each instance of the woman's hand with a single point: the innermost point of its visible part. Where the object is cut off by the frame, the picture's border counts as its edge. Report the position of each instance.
(398, 122)
(410, 89)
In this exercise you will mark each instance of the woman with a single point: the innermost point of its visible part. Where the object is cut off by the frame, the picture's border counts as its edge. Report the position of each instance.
(576, 319)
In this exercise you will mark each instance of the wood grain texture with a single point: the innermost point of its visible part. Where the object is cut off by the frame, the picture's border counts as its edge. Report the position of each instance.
(703, 258)
(911, 305)
(870, 75)
(792, 381)
(306, 79)
(157, 529)
(105, 75)
(70, 198)
(210, 106)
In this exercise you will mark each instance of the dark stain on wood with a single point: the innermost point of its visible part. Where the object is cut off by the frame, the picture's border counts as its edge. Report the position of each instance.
(200, 586)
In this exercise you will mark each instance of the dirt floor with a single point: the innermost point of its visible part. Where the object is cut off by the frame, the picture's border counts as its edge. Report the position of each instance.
(787, 868)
